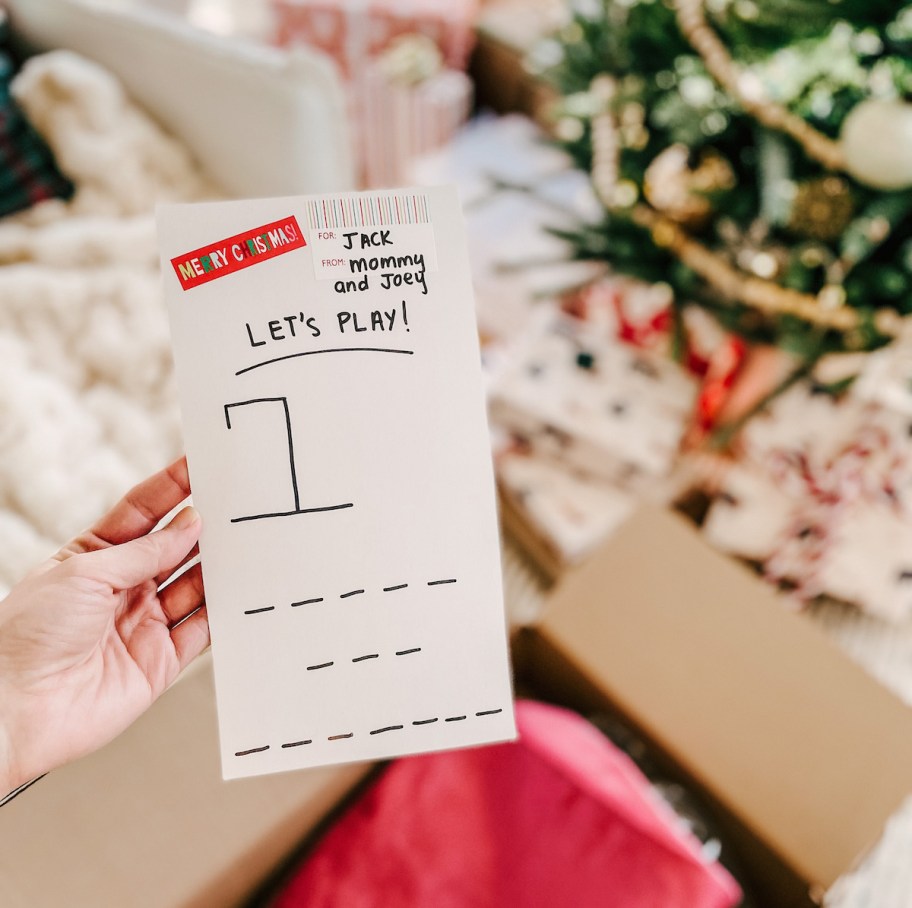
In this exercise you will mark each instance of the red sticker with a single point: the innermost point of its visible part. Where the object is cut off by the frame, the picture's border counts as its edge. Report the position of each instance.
(237, 252)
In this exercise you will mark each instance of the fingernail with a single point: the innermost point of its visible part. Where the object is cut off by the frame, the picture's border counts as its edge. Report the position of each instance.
(185, 518)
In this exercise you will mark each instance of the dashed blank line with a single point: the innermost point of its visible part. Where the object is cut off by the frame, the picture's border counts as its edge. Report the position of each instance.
(368, 656)
(311, 668)
(375, 731)
(405, 652)
(256, 611)
(386, 589)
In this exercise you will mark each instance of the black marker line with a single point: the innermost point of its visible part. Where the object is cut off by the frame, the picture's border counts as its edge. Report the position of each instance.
(454, 719)
(306, 602)
(370, 656)
(438, 582)
(489, 712)
(352, 593)
(288, 435)
(253, 400)
(279, 359)
(332, 507)
(351, 734)
(253, 750)
(405, 652)
(423, 721)
(311, 668)
(256, 611)
(297, 743)
(379, 731)
(389, 589)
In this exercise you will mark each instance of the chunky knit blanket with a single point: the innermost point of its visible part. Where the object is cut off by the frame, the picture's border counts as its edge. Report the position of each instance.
(87, 398)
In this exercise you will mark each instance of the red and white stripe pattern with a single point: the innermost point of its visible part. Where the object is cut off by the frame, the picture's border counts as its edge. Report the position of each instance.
(388, 210)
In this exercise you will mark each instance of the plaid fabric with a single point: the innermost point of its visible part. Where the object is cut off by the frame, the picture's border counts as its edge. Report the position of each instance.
(28, 173)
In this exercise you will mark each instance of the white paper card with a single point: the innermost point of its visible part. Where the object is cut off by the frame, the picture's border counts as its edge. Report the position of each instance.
(333, 408)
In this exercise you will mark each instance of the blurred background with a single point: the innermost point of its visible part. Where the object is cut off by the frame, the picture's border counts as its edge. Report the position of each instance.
(690, 225)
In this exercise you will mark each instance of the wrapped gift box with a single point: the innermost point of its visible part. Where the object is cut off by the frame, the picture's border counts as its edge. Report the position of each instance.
(598, 405)
(402, 108)
(559, 516)
(397, 123)
(822, 496)
(351, 31)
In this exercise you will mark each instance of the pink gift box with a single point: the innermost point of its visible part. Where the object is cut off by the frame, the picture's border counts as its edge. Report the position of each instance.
(352, 31)
(396, 124)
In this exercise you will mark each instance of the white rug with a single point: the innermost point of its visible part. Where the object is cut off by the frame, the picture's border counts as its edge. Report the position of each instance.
(87, 398)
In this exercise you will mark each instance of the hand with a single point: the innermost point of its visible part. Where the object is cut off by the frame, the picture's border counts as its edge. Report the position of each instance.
(88, 640)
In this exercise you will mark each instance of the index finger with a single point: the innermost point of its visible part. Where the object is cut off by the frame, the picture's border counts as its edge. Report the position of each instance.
(138, 512)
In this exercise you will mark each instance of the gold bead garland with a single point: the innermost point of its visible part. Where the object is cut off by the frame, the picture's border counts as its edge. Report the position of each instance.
(763, 295)
(605, 151)
(720, 65)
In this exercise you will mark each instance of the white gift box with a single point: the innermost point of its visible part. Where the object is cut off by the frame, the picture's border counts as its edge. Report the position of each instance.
(750, 515)
(598, 405)
(570, 514)
(870, 562)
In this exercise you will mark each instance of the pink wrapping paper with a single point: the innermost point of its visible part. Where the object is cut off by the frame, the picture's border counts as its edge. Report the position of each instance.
(561, 818)
(398, 123)
(352, 31)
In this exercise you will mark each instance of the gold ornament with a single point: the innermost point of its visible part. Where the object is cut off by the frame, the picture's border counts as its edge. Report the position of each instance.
(875, 139)
(832, 296)
(681, 192)
(411, 59)
(822, 208)
(765, 265)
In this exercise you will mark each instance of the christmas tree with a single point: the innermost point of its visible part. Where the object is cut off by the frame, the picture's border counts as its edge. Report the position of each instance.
(756, 155)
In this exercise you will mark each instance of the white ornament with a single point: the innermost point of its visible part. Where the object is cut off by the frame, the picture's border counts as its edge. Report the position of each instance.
(876, 142)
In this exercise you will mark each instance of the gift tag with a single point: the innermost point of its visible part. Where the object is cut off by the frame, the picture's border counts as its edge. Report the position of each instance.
(333, 407)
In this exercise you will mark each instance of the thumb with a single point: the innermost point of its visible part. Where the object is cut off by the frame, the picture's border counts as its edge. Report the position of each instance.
(131, 563)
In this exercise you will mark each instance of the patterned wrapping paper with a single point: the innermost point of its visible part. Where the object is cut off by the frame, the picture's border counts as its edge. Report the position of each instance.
(351, 31)
(822, 496)
(592, 425)
(397, 123)
(600, 406)
(560, 515)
